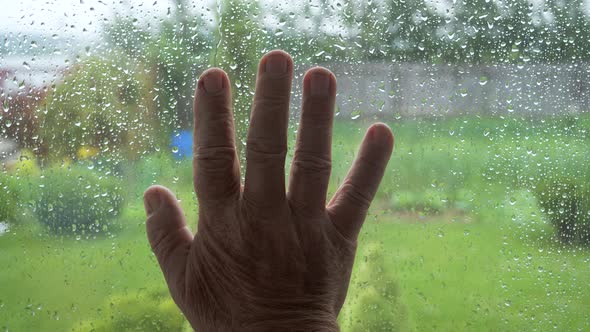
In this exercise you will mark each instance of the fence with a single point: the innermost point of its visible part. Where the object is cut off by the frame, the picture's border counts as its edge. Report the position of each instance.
(410, 89)
(404, 89)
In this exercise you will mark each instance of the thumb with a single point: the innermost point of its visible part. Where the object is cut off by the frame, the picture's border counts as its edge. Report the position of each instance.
(168, 235)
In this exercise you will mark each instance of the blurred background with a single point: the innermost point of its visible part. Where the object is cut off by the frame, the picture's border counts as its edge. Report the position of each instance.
(483, 218)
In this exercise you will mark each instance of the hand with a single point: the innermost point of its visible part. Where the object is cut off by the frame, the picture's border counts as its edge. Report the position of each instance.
(264, 259)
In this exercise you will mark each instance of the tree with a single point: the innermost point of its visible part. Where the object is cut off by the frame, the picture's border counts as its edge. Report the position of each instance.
(174, 55)
(238, 50)
(567, 32)
(475, 30)
(368, 29)
(177, 55)
(415, 26)
(125, 33)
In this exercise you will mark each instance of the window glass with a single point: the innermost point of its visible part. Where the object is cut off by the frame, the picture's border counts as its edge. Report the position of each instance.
(482, 221)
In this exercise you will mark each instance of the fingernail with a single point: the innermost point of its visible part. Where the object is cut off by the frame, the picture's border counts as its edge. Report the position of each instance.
(380, 133)
(276, 64)
(319, 84)
(152, 202)
(213, 81)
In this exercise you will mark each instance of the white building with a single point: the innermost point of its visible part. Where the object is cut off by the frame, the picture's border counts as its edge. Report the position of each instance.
(18, 71)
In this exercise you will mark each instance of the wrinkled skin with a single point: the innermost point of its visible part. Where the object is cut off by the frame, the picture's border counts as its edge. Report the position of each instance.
(264, 258)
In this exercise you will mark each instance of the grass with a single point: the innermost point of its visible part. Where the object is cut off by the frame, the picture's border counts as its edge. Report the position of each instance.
(459, 232)
(456, 276)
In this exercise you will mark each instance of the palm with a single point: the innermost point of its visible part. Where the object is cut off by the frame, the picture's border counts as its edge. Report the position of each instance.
(273, 261)
(265, 257)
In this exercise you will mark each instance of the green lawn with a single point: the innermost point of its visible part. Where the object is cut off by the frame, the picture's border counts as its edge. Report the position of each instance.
(462, 242)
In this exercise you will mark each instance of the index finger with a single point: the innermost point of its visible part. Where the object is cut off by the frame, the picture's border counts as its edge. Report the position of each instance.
(216, 166)
(348, 208)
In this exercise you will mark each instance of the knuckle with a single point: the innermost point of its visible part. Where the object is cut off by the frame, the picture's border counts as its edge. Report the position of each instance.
(370, 166)
(221, 114)
(215, 133)
(214, 109)
(212, 160)
(272, 102)
(352, 193)
(276, 82)
(317, 110)
(216, 194)
(262, 209)
(304, 208)
(310, 164)
(216, 174)
(265, 149)
(280, 79)
(219, 101)
(159, 238)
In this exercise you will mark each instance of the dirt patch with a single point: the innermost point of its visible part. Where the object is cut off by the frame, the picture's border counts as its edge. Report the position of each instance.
(451, 216)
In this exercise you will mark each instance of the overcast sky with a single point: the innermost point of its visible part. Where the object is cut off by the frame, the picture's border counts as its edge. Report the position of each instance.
(82, 20)
(79, 17)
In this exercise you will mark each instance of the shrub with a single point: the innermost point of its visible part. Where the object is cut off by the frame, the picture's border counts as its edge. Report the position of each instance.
(103, 105)
(374, 299)
(427, 201)
(78, 200)
(566, 203)
(139, 311)
(25, 165)
(19, 119)
(462, 199)
(9, 197)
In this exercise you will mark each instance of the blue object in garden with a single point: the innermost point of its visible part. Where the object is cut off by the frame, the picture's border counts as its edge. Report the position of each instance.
(182, 144)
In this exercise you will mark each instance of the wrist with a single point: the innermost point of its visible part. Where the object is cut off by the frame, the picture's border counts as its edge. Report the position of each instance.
(293, 315)
(271, 319)
(293, 321)
(319, 324)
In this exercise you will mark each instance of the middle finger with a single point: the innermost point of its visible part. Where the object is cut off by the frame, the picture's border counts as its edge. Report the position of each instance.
(267, 136)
